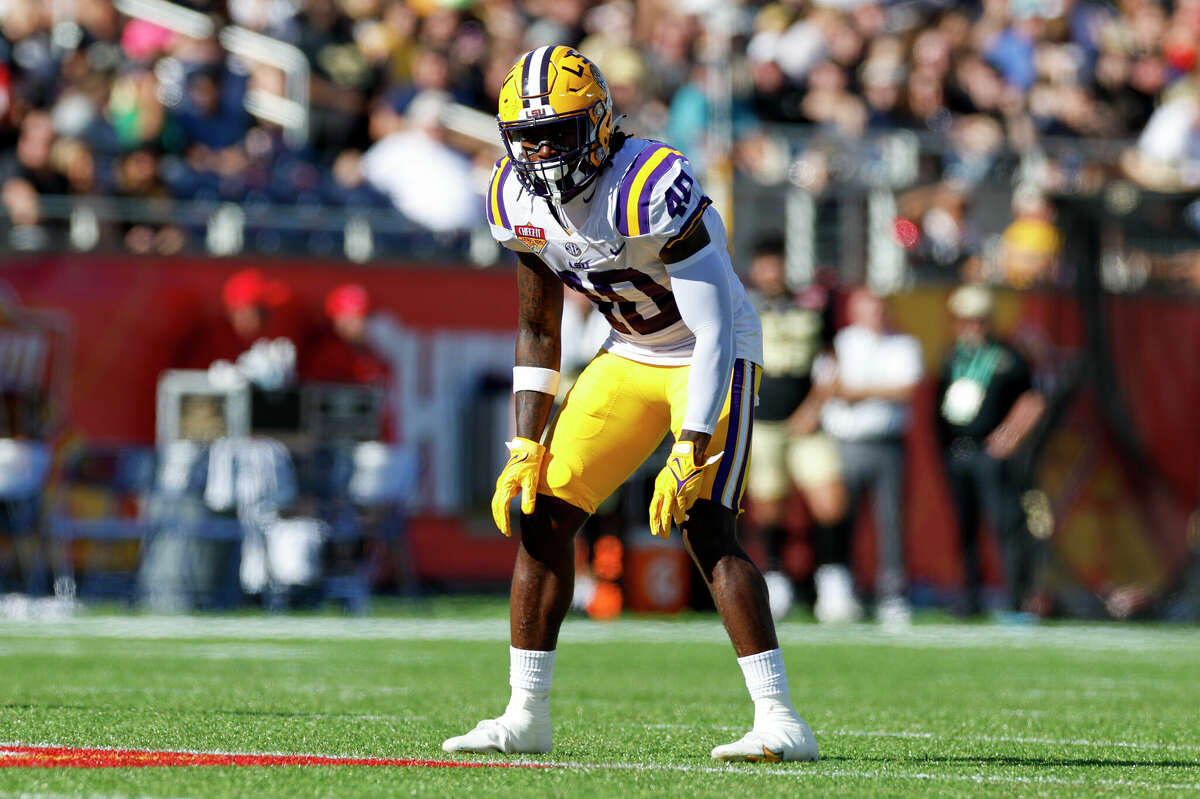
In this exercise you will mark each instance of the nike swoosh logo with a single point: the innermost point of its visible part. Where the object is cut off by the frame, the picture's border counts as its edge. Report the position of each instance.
(681, 483)
(618, 250)
(514, 459)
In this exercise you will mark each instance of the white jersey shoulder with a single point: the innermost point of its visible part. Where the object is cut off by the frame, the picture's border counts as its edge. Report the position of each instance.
(606, 244)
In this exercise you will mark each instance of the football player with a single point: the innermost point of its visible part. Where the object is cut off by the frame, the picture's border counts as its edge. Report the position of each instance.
(623, 221)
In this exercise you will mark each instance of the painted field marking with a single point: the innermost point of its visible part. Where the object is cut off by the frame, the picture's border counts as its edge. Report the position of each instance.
(930, 736)
(1130, 641)
(44, 756)
(21, 756)
(1015, 739)
(805, 771)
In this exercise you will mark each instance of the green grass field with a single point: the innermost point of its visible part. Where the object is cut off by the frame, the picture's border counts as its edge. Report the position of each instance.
(949, 709)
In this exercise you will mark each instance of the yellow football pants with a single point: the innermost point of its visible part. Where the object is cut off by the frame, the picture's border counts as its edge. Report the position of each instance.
(617, 413)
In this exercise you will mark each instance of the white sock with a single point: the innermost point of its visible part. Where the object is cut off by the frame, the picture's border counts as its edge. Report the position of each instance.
(766, 680)
(530, 673)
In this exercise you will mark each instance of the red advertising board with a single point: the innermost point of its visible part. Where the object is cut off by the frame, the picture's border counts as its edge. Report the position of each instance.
(1117, 521)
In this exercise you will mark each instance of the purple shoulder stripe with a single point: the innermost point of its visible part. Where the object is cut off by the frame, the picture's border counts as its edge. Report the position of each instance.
(626, 185)
(504, 173)
(648, 190)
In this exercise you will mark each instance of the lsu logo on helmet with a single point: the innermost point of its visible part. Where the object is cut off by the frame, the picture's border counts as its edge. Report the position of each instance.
(554, 96)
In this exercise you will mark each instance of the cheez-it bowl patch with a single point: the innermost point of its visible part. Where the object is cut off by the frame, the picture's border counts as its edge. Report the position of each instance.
(532, 237)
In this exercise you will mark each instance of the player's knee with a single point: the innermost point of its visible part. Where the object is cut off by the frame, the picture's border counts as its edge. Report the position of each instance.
(551, 527)
(709, 534)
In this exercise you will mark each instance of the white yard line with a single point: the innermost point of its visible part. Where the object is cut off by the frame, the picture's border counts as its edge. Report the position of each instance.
(802, 772)
(1008, 739)
(1015, 739)
(1091, 637)
(795, 771)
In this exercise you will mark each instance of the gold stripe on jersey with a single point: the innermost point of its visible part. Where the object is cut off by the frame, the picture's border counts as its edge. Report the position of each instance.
(639, 183)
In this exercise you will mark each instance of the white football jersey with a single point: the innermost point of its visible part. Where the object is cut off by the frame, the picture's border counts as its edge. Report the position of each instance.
(606, 243)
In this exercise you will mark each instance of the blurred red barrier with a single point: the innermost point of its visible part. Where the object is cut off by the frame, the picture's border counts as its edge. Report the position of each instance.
(1111, 527)
(131, 314)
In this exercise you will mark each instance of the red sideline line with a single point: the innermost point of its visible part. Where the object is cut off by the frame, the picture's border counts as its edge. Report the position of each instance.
(70, 757)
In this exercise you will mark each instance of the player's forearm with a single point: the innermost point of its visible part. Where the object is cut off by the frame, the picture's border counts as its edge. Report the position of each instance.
(539, 349)
(538, 340)
(708, 383)
(702, 295)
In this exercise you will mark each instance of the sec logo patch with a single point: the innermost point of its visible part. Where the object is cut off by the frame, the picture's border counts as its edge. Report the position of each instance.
(572, 248)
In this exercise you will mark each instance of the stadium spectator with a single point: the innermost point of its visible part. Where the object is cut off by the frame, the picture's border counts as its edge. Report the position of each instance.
(868, 414)
(789, 448)
(427, 180)
(138, 177)
(25, 175)
(986, 408)
(343, 354)
(1015, 74)
(253, 308)
(341, 75)
(212, 113)
(1031, 242)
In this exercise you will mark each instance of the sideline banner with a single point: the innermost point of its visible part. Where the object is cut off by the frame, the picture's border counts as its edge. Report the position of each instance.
(1117, 521)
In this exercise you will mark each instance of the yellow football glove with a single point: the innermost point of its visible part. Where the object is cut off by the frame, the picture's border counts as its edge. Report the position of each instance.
(520, 474)
(677, 487)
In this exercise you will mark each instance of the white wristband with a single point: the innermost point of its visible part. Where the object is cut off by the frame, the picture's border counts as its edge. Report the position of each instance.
(535, 378)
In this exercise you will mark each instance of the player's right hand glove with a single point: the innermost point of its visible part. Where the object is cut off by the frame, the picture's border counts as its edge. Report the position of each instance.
(677, 487)
(519, 475)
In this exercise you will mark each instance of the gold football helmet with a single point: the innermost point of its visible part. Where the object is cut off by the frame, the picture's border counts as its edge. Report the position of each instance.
(555, 96)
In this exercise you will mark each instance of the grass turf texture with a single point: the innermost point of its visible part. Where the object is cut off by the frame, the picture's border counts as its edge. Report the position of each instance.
(961, 710)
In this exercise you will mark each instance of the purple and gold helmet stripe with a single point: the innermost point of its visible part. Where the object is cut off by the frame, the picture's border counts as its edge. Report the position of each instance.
(637, 187)
(536, 72)
(523, 77)
(496, 213)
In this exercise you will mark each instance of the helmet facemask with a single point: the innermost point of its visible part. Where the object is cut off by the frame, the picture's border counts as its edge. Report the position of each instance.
(575, 139)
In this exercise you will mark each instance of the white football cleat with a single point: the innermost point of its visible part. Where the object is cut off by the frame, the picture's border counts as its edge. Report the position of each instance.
(836, 603)
(504, 735)
(894, 614)
(780, 594)
(777, 743)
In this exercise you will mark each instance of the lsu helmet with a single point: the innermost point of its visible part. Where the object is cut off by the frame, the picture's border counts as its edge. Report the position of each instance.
(553, 95)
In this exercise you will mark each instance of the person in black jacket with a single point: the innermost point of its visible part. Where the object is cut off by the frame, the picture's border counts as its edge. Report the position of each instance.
(986, 408)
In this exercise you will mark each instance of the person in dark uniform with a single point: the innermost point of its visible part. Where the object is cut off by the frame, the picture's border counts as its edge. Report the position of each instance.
(986, 408)
(788, 445)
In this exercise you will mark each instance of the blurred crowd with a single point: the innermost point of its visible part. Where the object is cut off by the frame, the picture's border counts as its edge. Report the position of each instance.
(95, 102)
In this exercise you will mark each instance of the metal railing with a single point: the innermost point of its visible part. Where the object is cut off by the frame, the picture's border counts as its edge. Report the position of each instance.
(290, 111)
(836, 202)
(223, 228)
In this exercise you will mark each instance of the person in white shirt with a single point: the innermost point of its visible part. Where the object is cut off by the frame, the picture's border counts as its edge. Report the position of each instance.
(867, 412)
(427, 180)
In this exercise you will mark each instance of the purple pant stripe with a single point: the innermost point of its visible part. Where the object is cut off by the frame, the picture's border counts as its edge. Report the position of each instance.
(749, 435)
(731, 436)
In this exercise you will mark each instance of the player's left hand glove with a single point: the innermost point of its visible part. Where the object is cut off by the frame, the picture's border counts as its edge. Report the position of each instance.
(677, 487)
(519, 475)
